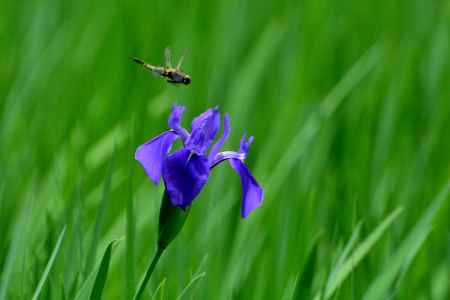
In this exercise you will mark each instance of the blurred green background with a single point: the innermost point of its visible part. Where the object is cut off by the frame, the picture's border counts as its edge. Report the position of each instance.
(349, 104)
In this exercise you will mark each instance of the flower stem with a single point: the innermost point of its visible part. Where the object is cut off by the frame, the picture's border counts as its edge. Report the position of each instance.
(149, 272)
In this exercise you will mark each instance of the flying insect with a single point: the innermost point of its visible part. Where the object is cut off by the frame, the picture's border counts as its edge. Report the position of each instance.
(172, 75)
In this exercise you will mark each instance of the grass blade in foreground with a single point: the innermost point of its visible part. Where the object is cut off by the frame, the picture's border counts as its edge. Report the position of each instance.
(195, 277)
(85, 287)
(49, 264)
(100, 216)
(102, 274)
(303, 287)
(191, 283)
(402, 258)
(18, 242)
(92, 280)
(160, 288)
(340, 274)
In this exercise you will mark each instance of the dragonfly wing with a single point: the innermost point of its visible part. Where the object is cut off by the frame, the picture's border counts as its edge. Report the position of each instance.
(181, 60)
(168, 56)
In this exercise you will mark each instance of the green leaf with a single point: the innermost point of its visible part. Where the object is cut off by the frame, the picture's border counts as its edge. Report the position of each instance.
(341, 272)
(300, 142)
(99, 218)
(85, 287)
(50, 263)
(97, 282)
(17, 243)
(303, 287)
(159, 288)
(131, 236)
(102, 274)
(190, 284)
(402, 258)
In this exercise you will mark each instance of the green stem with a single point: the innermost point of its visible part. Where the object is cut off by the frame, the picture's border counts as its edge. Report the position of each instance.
(149, 272)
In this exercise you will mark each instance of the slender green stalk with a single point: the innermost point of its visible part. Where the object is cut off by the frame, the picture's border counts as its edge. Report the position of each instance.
(171, 221)
(149, 272)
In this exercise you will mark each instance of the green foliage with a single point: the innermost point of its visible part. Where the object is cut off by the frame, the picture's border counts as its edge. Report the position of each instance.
(304, 284)
(349, 105)
(102, 274)
(347, 262)
(401, 259)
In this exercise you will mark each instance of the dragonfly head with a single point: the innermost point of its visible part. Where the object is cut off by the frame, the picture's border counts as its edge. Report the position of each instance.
(186, 80)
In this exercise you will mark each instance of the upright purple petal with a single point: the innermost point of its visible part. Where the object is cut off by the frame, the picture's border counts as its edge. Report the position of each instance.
(252, 193)
(151, 155)
(226, 132)
(204, 129)
(184, 173)
(205, 116)
(175, 122)
(245, 143)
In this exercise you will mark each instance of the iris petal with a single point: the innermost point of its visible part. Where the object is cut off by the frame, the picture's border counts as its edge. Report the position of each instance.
(204, 129)
(184, 173)
(151, 155)
(245, 143)
(226, 132)
(252, 193)
(205, 117)
(220, 157)
(175, 121)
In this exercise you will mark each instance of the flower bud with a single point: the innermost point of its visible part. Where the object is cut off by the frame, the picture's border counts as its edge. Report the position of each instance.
(171, 220)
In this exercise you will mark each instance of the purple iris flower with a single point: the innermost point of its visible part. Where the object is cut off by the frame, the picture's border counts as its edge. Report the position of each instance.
(186, 171)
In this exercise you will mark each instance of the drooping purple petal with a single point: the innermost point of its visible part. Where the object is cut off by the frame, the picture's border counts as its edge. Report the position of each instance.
(204, 129)
(226, 131)
(221, 156)
(175, 122)
(184, 173)
(151, 155)
(252, 193)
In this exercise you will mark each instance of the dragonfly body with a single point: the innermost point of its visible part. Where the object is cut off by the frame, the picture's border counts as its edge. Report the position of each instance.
(173, 75)
(176, 76)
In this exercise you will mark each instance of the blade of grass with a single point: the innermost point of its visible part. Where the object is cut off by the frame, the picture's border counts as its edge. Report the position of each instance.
(102, 274)
(160, 286)
(344, 255)
(49, 265)
(130, 241)
(407, 250)
(191, 283)
(17, 243)
(298, 146)
(303, 287)
(197, 276)
(93, 277)
(85, 287)
(340, 274)
(99, 219)
(349, 247)
(245, 85)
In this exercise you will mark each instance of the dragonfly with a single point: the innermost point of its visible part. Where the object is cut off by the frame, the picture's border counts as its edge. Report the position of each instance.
(173, 75)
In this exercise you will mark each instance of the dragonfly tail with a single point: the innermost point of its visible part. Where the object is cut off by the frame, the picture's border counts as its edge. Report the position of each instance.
(139, 61)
